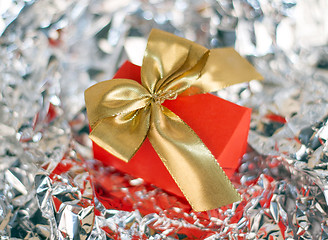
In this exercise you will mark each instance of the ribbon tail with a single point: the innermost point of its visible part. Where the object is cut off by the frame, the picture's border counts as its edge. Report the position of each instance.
(123, 134)
(190, 163)
(224, 67)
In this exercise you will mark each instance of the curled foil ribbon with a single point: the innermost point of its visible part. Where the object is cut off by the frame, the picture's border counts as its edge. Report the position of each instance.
(122, 113)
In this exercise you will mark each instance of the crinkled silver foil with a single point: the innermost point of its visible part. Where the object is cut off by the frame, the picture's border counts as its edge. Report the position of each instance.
(52, 188)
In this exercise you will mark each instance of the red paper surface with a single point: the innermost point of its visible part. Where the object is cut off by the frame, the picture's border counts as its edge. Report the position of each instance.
(223, 127)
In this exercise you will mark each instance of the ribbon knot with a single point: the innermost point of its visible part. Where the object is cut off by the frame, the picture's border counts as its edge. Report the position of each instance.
(159, 98)
(121, 114)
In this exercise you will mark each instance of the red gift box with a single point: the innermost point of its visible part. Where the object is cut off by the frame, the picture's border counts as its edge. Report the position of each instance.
(222, 126)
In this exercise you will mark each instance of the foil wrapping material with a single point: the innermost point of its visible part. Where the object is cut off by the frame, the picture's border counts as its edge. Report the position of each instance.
(51, 51)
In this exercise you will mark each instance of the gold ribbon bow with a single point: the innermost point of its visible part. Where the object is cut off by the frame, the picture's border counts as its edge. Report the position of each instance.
(122, 113)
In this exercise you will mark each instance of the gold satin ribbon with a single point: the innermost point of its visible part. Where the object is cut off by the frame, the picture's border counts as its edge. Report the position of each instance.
(122, 113)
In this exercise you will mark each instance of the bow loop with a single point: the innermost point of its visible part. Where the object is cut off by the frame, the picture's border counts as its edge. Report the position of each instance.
(114, 97)
(167, 59)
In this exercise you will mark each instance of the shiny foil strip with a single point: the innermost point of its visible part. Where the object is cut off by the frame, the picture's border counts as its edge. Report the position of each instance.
(51, 51)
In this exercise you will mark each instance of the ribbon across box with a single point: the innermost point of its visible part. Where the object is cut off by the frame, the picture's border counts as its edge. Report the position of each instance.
(223, 127)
